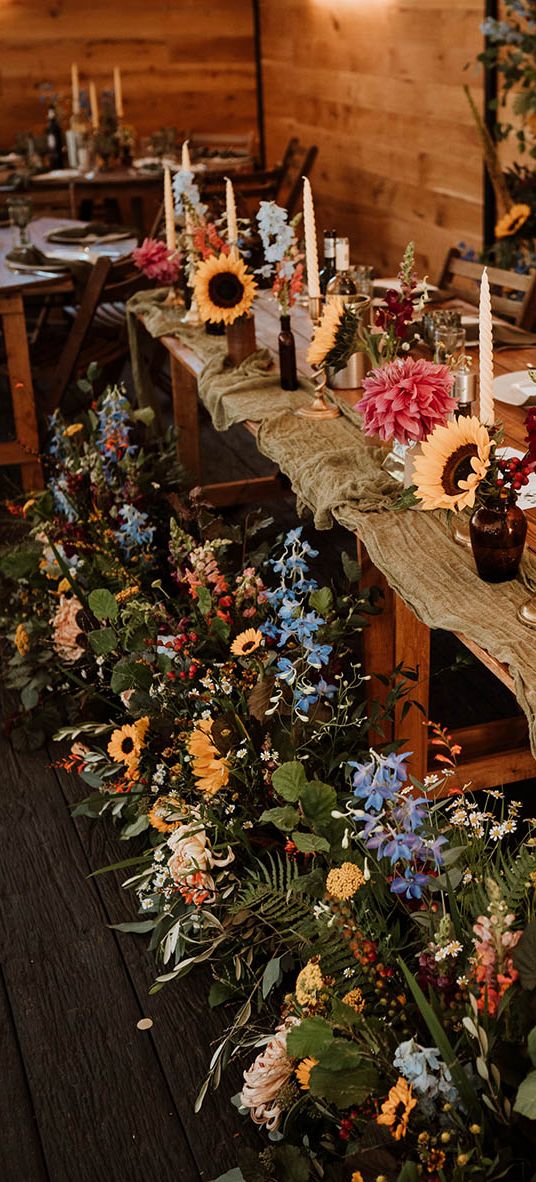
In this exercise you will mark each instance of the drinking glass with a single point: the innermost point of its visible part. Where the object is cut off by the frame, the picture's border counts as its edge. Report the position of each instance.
(449, 339)
(20, 214)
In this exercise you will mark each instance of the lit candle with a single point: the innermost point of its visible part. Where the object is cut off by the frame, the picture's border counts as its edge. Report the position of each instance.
(118, 93)
(485, 344)
(75, 87)
(94, 106)
(230, 204)
(185, 160)
(169, 210)
(311, 252)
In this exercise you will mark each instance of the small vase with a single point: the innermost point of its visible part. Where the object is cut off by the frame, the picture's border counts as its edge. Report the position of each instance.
(213, 328)
(287, 356)
(241, 339)
(497, 538)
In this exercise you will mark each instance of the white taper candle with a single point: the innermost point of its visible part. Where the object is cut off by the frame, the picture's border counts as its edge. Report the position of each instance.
(185, 157)
(169, 211)
(230, 205)
(485, 342)
(94, 106)
(311, 250)
(118, 93)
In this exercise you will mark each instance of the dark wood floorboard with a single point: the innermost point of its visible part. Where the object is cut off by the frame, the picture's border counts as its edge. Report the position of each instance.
(21, 1154)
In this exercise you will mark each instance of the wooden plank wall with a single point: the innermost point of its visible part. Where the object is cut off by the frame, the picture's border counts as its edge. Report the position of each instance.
(377, 84)
(184, 62)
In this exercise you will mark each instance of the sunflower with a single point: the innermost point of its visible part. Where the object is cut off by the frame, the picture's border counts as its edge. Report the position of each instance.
(512, 221)
(127, 743)
(159, 814)
(209, 766)
(453, 462)
(246, 642)
(223, 288)
(325, 333)
(303, 1073)
(395, 1110)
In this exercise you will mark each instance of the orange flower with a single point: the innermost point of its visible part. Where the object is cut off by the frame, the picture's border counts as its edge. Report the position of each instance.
(127, 743)
(209, 766)
(303, 1073)
(246, 642)
(160, 812)
(395, 1110)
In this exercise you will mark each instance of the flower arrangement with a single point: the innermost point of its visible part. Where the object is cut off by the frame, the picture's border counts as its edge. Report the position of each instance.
(393, 319)
(283, 260)
(406, 399)
(156, 261)
(224, 288)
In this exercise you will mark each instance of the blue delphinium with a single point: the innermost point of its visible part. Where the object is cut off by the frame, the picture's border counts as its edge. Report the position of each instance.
(62, 504)
(276, 234)
(134, 531)
(113, 429)
(186, 193)
(426, 1072)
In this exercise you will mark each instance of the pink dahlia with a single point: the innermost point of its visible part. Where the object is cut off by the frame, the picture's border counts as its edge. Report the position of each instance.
(156, 261)
(406, 399)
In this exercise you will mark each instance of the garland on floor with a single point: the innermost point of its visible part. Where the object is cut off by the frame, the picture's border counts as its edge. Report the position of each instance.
(374, 950)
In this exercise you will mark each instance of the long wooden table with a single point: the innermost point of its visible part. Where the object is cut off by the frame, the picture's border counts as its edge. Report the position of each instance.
(492, 753)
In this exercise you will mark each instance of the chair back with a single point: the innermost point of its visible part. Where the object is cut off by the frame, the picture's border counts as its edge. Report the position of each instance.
(297, 162)
(513, 296)
(24, 449)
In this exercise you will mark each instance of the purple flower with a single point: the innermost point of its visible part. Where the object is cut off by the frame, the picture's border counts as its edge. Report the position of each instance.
(411, 885)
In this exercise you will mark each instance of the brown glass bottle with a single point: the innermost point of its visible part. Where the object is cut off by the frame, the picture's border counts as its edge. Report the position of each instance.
(287, 356)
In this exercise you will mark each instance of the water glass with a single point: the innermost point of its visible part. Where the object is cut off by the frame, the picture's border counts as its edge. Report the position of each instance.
(20, 214)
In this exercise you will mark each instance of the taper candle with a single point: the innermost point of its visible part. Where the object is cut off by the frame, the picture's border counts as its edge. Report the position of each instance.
(169, 210)
(185, 157)
(485, 343)
(118, 93)
(75, 88)
(94, 106)
(230, 205)
(311, 251)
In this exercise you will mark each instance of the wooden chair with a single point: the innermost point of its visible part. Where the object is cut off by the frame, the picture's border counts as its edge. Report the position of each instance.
(244, 143)
(297, 162)
(282, 183)
(513, 296)
(23, 451)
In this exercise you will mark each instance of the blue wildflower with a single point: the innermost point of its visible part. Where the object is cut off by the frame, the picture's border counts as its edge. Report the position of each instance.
(411, 885)
(134, 531)
(186, 193)
(317, 655)
(285, 671)
(426, 1071)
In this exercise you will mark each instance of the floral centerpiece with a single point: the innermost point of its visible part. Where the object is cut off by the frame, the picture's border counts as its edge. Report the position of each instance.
(284, 265)
(393, 319)
(156, 261)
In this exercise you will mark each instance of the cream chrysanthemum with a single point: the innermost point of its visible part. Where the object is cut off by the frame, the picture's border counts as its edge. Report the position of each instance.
(325, 334)
(453, 462)
(224, 289)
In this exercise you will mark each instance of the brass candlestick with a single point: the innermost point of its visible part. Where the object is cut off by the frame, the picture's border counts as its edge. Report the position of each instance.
(527, 613)
(319, 408)
(315, 309)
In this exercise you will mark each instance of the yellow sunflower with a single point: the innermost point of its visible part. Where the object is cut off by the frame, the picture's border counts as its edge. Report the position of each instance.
(396, 1109)
(223, 288)
(303, 1073)
(246, 642)
(325, 333)
(22, 640)
(209, 766)
(160, 812)
(453, 462)
(512, 221)
(127, 743)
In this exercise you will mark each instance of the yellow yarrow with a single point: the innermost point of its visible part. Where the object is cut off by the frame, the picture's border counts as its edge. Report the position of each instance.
(309, 984)
(73, 429)
(344, 881)
(127, 593)
(22, 640)
(355, 999)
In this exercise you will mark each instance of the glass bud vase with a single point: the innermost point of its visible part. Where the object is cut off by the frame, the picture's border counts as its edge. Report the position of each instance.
(498, 535)
(287, 356)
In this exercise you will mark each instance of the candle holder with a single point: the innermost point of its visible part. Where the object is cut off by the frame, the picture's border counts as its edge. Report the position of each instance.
(315, 309)
(527, 612)
(319, 408)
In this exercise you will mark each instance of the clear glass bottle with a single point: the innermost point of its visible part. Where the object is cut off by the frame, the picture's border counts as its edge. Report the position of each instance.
(328, 270)
(342, 283)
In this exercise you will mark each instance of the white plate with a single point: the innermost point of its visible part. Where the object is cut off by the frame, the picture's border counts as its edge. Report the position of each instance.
(515, 388)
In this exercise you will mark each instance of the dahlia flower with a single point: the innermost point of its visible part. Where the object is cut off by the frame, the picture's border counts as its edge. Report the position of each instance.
(156, 261)
(265, 1078)
(406, 399)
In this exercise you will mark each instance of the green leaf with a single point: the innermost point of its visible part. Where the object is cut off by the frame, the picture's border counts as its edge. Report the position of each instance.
(289, 780)
(290, 1164)
(140, 926)
(234, 1175)
(321, 600)
(204, 600)
(351, 568)
(531, 1045)
(409, 1172)
(318, 801)
(20, 564)
(102, 641)
(219, 993)
(311, 1037)
(144, 414)
(344, 1015)
(283, 818)
(525, 1101)
(524, 957)
(460, 1079)
(103, 604)
(136, 827)
(271, 976)
(308, 843)
(130, 675)
(341, 1077)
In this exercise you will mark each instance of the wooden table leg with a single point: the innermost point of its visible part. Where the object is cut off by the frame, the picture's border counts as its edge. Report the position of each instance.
(22, 394)
(186, 418)
(378, 645)
(412, 650)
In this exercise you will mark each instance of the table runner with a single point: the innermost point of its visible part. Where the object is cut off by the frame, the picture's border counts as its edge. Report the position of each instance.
(337, 475)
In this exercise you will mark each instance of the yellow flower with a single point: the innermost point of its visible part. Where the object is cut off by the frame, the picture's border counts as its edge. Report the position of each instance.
(453, 461)
(344, 881)
(63, 586)
(209, 766)
(28, 505)
(325, 333)
(73, 429)
(357, 1176)
(246, 642)
(355, 999)
(223, 288)
(127, 593)
(161, 810)
(512, 221)
(309, 984)
(127, 743)
(22, 640)
(395, 1110)
(303, 1073)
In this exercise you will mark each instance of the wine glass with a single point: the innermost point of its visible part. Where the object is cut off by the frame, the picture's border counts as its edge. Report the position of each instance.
(20, 215)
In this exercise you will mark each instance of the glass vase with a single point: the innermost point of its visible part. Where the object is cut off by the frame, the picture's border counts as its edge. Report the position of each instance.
(498, 535)
(287, 355)
(241, 341)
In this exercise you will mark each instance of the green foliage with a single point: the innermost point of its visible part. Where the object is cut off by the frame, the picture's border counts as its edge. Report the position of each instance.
(130, 675)
(102, 641)
(288, 780)
(103, 604)
(524, 956)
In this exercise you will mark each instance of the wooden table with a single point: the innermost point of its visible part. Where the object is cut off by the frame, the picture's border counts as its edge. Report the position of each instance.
(493, 753)
(14, 286)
